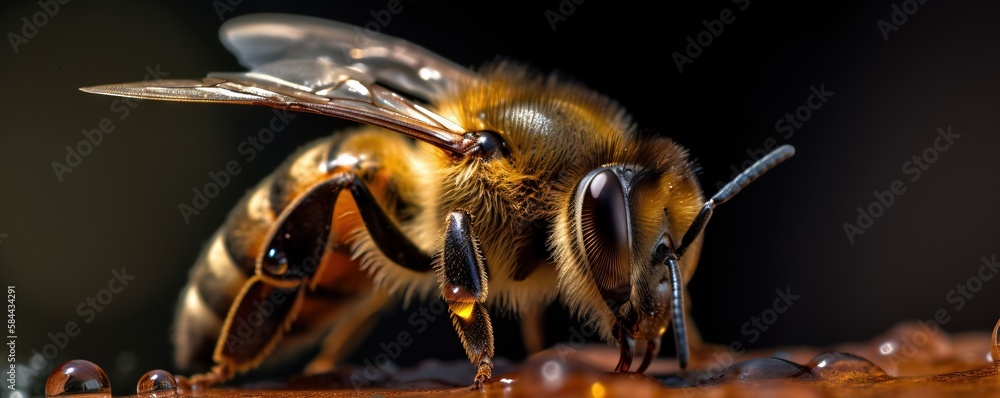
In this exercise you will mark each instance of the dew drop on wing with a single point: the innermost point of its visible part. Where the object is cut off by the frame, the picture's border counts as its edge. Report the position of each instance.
(78, 378)
(761, 369)
(157, 383)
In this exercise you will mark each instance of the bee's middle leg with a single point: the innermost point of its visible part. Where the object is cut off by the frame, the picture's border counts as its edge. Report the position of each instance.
(461, 272)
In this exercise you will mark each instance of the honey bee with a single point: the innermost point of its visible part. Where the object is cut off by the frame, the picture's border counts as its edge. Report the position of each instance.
(496, 189)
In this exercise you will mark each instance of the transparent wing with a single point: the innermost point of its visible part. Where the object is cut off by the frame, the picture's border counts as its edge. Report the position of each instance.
(312, 65)
(264, 38)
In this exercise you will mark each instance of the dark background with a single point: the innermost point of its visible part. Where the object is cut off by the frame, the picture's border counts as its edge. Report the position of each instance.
(119, 208)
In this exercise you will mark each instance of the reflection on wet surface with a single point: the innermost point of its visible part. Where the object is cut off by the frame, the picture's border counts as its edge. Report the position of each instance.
(910, 359)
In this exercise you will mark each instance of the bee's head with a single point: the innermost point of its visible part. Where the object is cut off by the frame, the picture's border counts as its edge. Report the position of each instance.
(626, 232)
(625, 221)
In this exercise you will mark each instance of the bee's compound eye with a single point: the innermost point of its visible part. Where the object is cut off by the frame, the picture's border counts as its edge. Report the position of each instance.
(604, 208)
(604, 220)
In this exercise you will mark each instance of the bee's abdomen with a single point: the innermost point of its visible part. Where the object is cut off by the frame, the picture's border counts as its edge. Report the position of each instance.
(212, 287)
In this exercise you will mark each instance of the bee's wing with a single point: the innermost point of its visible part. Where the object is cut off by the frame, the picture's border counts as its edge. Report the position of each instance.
(264, 38)
(295, 68)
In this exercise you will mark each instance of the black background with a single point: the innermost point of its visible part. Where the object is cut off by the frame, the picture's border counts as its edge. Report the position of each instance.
(119, 208)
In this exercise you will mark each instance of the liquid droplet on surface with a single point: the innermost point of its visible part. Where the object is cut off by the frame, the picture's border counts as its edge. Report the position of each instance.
(275, 262)
(841, 366)
(906, 348)
(78, 378)
(564, 373)
(761, 369)
(157, 383)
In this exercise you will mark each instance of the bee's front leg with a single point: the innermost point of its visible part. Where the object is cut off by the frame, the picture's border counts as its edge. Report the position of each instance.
(461, 271)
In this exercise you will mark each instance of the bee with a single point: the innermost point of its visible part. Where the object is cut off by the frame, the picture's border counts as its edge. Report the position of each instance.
(498, 189)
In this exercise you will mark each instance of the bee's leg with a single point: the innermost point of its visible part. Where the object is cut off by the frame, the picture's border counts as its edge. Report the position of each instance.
(389, 239)
(384, 233)
(461, 271)
(625, 360)
(652, 350)
(271, 299)
(305, 229)
(262, 313)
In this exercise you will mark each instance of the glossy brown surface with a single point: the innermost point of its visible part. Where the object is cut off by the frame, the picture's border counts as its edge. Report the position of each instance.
(908, 360)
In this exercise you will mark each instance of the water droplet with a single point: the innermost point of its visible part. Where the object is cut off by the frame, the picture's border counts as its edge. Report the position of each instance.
(275, 262)
(761, 369)
(157, 383)
(835, 365)
(567, 371)
(910, 344)
(77, 377)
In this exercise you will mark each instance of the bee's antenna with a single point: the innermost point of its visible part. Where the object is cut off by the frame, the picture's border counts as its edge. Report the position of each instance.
(677, 313)
(731, 189)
